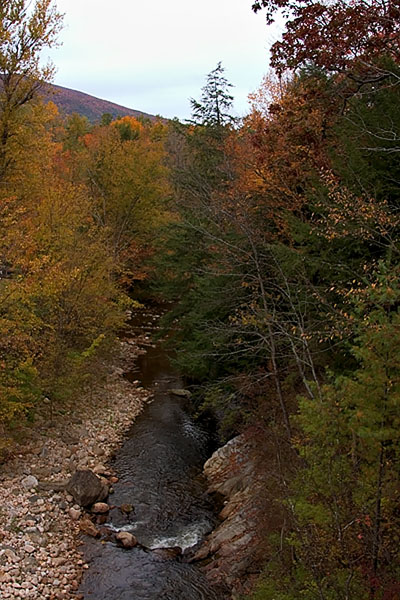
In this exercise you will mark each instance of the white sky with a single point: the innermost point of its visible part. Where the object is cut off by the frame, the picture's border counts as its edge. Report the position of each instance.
(154, 55)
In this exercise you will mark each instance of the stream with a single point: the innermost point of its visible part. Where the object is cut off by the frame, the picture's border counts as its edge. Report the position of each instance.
(160, 475)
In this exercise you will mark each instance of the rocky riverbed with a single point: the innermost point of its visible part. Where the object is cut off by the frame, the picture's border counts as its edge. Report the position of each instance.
(39, 520)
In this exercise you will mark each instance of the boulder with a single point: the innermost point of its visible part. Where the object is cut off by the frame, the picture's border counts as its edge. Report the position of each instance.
(235, 550)
(29, 482)
(86, 488)
(100, 508)
(86, 526)
(126, 539)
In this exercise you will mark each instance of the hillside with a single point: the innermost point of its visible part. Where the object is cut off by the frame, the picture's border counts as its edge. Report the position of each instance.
(72, 101)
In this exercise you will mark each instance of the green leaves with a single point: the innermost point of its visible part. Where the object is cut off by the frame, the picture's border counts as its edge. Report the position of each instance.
(215, 105)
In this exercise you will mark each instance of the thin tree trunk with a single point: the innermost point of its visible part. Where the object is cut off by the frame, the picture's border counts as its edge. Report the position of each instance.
(278, 386)
(378, 517)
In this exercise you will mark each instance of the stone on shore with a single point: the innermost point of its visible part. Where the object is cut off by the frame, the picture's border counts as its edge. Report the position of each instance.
(87, 488)
(74, 513)
(100, 508)
(86, 526)
(29, 482)
(126, 539)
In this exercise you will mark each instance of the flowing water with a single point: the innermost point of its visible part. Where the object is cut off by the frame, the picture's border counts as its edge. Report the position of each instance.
(159, 470)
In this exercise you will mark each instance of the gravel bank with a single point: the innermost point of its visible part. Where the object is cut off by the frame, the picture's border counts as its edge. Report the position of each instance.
(39, 530)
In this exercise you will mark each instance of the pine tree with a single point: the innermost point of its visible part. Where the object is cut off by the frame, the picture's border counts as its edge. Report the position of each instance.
(216, 102)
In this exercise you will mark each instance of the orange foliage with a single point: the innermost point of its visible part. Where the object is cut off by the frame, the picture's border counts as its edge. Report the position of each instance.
(279, 151)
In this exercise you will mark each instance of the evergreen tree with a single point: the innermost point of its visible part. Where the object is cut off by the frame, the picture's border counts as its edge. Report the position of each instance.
(216, 101)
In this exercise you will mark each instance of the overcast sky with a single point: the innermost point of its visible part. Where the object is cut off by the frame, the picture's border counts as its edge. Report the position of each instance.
(154, 55)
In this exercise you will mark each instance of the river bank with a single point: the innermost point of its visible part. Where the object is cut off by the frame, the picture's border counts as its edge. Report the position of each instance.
(243, 473)
(41, 550)
(40, 557)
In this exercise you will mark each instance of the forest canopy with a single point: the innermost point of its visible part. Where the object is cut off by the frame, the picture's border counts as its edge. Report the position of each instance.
(78, 205)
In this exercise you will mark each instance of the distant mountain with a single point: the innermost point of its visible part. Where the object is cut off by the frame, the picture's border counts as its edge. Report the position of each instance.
(72, 101)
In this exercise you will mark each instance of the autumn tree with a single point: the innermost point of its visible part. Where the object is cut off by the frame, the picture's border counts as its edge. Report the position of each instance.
(60, 306)
(338, 36)
(79, 206)
(25, 31)
(122, 166)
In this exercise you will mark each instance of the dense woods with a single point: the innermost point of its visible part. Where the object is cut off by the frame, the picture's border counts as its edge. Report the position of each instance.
(288, 225)
(77, 212)
(277, 238)
(79, 204)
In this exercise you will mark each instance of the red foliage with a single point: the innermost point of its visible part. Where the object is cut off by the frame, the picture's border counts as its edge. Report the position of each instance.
(337, 36)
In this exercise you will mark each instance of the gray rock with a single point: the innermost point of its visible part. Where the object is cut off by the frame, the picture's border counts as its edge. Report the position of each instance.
(44, 452)
(29, 482)
(86, 488)
(74, 514)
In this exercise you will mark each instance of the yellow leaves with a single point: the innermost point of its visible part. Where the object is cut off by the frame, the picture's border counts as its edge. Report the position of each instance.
(123, 168)
(130, 125)
(347, 215)
(61, 295)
